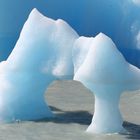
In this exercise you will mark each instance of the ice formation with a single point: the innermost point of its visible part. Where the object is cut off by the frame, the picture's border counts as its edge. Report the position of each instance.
(106, 73)
(48, 50)
(41, 55)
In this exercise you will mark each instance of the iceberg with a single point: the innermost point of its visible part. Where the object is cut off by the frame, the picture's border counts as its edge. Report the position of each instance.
(50, 49)
(41, 55)
(107, 74)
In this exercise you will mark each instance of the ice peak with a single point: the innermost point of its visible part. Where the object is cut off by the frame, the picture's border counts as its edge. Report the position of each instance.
(104, 43)
(35, 14)
(102, 36)
(62, 23)
(35, 10)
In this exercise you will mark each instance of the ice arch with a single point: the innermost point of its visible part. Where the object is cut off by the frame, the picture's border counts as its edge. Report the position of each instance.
(41, 55)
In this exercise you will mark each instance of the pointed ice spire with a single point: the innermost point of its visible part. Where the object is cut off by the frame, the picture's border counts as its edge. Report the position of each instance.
(35, 14)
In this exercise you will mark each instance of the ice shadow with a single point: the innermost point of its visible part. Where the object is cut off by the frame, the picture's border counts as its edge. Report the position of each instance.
(64, 117)
(133, 130)
(84, 118)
